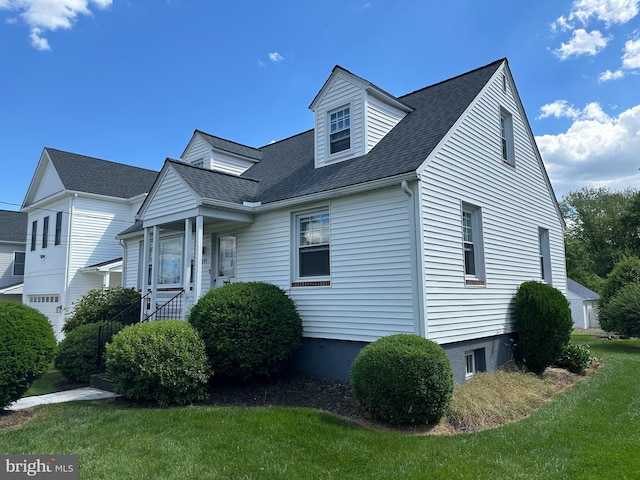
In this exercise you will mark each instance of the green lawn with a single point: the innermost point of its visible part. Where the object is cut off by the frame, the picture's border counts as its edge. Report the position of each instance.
(590, 432)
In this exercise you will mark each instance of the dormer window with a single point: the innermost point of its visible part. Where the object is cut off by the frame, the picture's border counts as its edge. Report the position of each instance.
(340, 136)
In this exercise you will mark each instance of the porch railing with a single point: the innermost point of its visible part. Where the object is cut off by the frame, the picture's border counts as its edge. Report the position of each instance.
(170, 309)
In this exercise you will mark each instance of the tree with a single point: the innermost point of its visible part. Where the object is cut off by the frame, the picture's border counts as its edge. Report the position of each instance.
(602, 229)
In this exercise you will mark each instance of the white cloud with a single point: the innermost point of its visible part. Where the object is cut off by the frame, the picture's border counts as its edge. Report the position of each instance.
(275, 57)
(582, 43)
(558, 109)
(631, 56)
(607, 11)
(609, 75)
(50, 15)
(596, 150)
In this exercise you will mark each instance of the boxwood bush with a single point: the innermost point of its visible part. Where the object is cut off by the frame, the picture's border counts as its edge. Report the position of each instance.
(104, 304)
(27, 345)
(77, 355)
(403, 379)
(162, 362)
(249, 328)
(544, 324)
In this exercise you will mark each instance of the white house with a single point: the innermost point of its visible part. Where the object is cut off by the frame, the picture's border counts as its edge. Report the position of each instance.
(13, 240)
(76, 206)
(416, 214)
(584, 305)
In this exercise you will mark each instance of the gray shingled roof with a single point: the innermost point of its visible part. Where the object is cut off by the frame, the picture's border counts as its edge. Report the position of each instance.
(581, 290)
(216, 185)
(13, 226)
(102, 177)
(231, 147)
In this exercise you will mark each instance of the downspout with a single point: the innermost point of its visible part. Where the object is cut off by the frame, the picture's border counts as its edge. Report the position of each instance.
(415, 244)
(67, 267)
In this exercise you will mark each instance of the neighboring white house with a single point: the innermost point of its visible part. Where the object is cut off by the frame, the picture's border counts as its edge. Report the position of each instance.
(76, 206)
(13, 240)
(416, 214)
(584, 305)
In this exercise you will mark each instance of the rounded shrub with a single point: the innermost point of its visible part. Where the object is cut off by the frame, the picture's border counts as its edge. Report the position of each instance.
(104, 304)
(77, 355)
(27, 345)
(622, 313)
(544, 324)
(403, 379)
(249, 328)
(624, 273)
(162, 362)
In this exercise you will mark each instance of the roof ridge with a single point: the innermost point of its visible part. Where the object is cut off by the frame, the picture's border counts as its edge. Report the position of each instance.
(504, 59)
(209, 170)
(287, 138)
(226, 140)
(100, 159)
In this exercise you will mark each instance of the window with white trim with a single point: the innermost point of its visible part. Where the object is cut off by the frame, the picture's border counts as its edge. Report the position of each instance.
(472, 244)
(545, 255)
(470, 363)
(58, 234)
(312, 245)
(18, 263)
(34, 233)
(198, 162)
(169, 268)
(340, 130)
(45, 232)
(506, 135)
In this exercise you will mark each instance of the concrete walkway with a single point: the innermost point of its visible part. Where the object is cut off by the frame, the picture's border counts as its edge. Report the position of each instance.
(86, 393)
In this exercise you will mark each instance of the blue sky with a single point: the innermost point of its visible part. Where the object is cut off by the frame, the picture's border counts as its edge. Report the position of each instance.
(129, 81)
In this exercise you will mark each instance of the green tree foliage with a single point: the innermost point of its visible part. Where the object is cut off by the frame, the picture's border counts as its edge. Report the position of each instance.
(622, 313)
(403, 379)
(104, 304)
(617, 303)
(249, 328)
(544, 324)
(27, 344)
(602, 228)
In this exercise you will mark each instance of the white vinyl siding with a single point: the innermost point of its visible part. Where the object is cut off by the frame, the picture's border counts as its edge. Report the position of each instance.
(8, 253)
(199, 149)
(341, 94)
(202, 151)
(381, 118)
(468, 168)
(228, 163)
(172, 195)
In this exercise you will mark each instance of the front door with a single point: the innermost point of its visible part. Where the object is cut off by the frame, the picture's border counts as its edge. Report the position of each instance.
(224, 268)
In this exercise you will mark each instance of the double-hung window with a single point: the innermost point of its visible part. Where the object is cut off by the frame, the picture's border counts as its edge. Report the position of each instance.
(340, 130)
(312, 245)
(506, 134)
(472, 245)
(545, 255)
(18, 263)
(168, 271)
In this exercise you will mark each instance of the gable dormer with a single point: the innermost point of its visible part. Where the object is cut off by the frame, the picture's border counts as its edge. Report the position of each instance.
(215, 153)
(351, 116)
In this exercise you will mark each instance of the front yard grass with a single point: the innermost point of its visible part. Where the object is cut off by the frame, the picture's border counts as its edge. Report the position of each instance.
(587, 432)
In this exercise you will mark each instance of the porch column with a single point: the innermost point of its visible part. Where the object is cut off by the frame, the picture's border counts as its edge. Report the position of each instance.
(197, 278)
(154, 263)
(186, 270)
(145, 272)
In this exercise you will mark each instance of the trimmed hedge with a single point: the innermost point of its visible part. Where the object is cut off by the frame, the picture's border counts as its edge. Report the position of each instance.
(249, 328)
(27, 345)
(403, 379)
(544, 324)
(77, 357)
(162, 362)
(105, 304)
